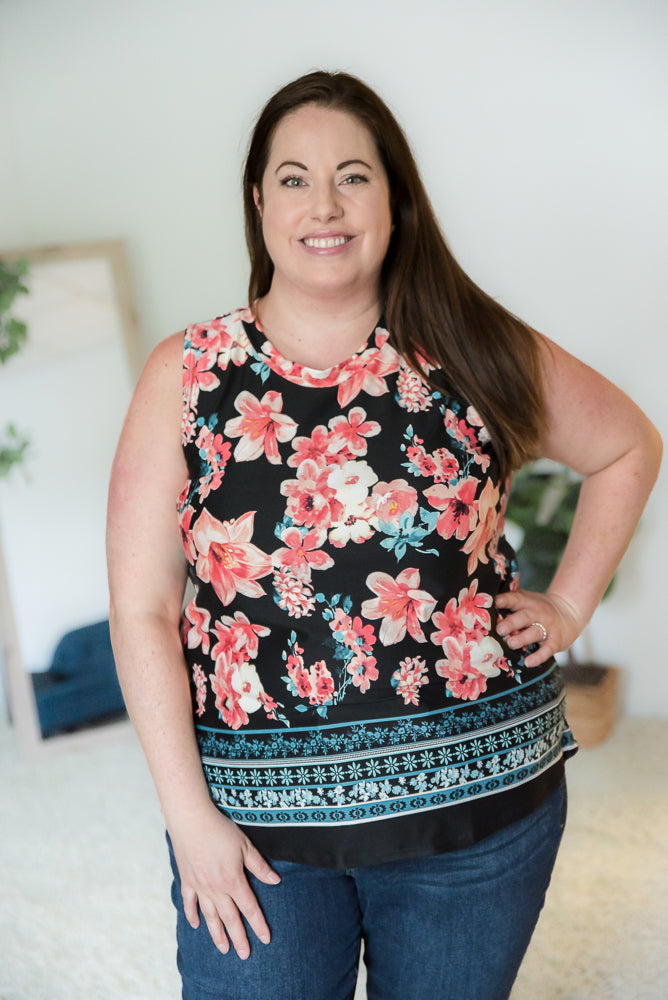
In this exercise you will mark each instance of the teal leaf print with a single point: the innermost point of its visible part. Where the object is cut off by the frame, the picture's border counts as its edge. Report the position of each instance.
(262, 369)
(407, 533)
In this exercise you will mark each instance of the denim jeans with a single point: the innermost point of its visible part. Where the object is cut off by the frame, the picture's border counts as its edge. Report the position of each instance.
(454, 926)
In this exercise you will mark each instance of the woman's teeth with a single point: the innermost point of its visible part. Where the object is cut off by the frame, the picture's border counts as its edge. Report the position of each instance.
(325, 244)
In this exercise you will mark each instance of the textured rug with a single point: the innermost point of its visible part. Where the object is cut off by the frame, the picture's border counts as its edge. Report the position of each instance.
(84, 878)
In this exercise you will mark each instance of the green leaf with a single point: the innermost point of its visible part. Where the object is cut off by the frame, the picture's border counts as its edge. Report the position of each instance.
(12, 450)
(13, 335)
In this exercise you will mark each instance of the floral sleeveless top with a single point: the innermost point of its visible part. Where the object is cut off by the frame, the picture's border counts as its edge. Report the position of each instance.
(344, 533)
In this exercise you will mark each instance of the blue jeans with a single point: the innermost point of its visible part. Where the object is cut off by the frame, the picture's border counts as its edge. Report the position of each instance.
(450, 927)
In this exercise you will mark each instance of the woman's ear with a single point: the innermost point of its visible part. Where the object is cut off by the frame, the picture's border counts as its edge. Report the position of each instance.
(257, 198)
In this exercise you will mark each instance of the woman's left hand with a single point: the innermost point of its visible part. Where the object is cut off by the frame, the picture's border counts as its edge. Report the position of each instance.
(524, 611)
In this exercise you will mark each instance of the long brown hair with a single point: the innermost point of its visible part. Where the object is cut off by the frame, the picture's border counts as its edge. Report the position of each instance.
(432, 308)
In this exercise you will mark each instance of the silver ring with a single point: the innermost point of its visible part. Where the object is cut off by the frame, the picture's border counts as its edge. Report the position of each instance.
(542, 628)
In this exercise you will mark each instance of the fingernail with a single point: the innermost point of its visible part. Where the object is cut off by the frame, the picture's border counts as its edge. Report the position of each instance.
(274, 878)
(265, 938)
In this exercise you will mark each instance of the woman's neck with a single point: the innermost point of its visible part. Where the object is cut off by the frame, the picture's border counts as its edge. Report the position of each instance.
(317, 333)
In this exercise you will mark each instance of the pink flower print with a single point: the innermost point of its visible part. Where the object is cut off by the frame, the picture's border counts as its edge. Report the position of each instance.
(226, 557)
(224, 338)
(469, 665)
(268, 704)
(341, 622)
(362, 670)
(320, 446)
(500, 564)
(355, 526)
(311, 501)
(352, 431)
(366, 372)
(473, 609)
(388, 501)
(295, 660)
(460, 431)
(245, 635)
(188, 425)
(360, 637)
(215, 453)
(448, 623)
(302, 682)
(474, 418)
(228, 700)
(302, 554)
(446, 466)
(409, 678)
(418, 457)
(226, 644)
(500, 561)
(465, 619)
(197, 375)
(460, 509)
(441, 464)
(183, 495)
(322, 684)
(198, 633)
(483, 533)
(400, 604)
(200, 689)
(210, 337)
(185, 527)
(237, 635)
(413, 392)
(295, 595)
(352, 632)
(212, 449)
(261, 426)
(465, 434)
(275, 360)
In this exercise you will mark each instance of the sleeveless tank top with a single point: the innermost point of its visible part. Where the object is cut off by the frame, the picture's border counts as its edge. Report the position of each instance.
(353, 702)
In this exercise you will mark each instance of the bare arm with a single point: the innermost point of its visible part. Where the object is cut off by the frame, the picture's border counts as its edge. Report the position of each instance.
(147, 573)
(594, 428)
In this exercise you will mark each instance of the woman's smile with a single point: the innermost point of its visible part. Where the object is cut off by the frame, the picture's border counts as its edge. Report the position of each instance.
(325, 242)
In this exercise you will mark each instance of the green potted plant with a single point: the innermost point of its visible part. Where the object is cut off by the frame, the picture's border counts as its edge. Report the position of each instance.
(540, 514)
(13, 334)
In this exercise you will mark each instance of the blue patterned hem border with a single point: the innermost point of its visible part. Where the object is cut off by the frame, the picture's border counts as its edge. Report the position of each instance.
(377, 783)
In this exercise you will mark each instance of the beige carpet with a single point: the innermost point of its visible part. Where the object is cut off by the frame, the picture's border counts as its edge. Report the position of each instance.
(84, 901)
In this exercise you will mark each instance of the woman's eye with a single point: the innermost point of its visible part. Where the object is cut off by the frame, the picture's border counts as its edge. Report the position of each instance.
(292, 182)
(355, 179)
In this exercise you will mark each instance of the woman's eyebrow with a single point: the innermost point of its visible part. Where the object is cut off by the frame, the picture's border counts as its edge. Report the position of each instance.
(290, 163)
(302, 166)
(347, 163)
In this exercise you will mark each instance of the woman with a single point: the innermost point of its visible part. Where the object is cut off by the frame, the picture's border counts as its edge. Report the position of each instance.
(356, 727)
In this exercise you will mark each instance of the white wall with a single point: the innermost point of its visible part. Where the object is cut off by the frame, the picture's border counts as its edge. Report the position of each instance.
(539, 126)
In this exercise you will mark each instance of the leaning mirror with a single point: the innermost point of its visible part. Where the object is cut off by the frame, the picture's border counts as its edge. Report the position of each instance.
(66, 391)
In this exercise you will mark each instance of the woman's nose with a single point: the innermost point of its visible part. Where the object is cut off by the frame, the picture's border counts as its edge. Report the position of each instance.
(325, 203)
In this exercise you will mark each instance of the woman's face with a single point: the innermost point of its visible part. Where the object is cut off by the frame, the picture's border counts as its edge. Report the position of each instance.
(325, 205)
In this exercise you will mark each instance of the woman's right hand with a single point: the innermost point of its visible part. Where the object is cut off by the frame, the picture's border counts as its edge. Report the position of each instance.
(212, 854)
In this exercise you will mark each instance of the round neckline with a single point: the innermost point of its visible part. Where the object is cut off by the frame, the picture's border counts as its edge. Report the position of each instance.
(293, 370)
